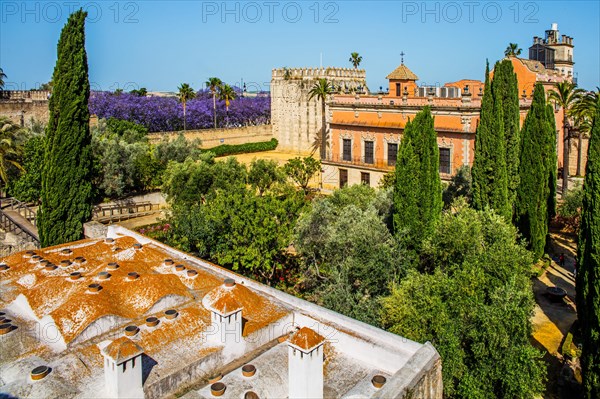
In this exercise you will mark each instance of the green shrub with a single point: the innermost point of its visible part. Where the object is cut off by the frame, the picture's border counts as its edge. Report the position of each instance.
(566, 349)
(229, 149)
(569, 211)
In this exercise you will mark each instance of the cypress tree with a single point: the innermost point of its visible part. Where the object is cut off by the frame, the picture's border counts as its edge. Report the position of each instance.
(490, 187)
(588, 262)
(418, 190)
(552, 159)
(531, 210)
(66, 176)
(505, 87)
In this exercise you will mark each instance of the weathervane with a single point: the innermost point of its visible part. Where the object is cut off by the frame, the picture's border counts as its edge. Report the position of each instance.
(402, 57)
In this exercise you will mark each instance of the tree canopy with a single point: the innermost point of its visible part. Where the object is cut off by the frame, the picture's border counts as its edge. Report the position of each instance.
(67, 174)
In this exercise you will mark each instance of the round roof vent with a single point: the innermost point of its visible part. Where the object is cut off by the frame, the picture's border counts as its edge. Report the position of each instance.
(152, 321)
(169, 262)
(94, 288)
(39, 372)
(131, 330)
(4, 267)
(171, 314)
(80, 259)
(113, 266)
(217, 389)
(66, 251)
(132, 276)
(109, 240)
(75, 276)
(378, 381)
(229, 282)
(104, 275)
(180, 268)
(137, 245)
(248, 370)
(192, 273)
(50, 266)
(65, 263)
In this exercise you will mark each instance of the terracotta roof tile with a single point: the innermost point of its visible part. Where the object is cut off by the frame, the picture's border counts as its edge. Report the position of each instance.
(402, 73)
(122, 349)
(306, 339)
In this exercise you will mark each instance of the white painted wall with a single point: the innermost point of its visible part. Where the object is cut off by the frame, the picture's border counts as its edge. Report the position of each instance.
(123, 380)
(305, 373)
(226, 330)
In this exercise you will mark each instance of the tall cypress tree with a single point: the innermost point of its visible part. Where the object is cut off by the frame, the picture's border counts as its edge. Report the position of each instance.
(552, 161)
(588, 262)
(418, 192)
(505, 87)
(66, 176)
(531, 210)
(490, 187)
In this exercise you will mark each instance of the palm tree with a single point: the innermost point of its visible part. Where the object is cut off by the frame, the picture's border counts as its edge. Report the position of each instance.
(185, 93)
(564, 95)
(355, 59)
(214, 84)
(513, 50)
(321, 90)
(10, 149)
(2, 77)
(226, 93)
(583, 111)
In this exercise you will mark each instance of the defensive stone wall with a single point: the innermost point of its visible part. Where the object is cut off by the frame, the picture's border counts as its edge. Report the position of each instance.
(22, 110)
(215, 137)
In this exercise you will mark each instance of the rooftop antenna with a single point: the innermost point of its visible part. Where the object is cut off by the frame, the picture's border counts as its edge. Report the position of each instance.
(321, 63)
(402, 57)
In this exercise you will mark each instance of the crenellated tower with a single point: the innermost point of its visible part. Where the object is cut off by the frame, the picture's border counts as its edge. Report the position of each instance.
(297, 120)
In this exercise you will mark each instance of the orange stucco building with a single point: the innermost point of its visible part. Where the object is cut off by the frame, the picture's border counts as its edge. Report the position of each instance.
(365, 130)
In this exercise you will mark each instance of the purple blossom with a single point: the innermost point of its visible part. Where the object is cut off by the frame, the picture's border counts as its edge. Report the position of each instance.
(166, 113)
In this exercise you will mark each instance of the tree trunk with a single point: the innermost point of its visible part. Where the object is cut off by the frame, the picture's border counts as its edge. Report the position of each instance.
(566, 144)
(579, 153)
(323, 131)
(215, 108)
(184, 117)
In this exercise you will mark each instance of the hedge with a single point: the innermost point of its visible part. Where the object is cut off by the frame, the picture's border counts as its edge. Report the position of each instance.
(229, 149)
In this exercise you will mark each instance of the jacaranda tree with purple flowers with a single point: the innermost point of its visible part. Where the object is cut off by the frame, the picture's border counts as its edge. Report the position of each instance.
(166, 114)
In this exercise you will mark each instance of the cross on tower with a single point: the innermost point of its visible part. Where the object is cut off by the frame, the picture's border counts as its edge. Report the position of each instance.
(402, 57)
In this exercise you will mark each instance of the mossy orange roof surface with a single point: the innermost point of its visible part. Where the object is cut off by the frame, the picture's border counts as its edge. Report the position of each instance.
(70, 304)
(306, 338)
(256, 309)
(122, 349)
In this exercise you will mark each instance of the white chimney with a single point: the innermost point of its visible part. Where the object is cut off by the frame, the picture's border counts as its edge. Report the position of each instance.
(305, 364)
(554, 26)
(225, 313)
(123, 369)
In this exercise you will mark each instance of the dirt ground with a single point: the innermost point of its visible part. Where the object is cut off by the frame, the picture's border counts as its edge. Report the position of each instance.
(279, 156)
(552, 320)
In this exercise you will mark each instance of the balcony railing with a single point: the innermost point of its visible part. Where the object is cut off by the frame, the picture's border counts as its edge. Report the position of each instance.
(369, 162)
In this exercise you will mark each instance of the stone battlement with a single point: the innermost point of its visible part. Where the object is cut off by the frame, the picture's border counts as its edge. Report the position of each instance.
(25, 95)
(317, 73)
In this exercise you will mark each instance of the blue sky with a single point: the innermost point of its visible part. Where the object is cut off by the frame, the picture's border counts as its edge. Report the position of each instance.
(160, 44)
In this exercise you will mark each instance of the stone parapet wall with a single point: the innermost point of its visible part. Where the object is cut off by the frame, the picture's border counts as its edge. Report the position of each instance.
(215, 137)
(420, 378)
